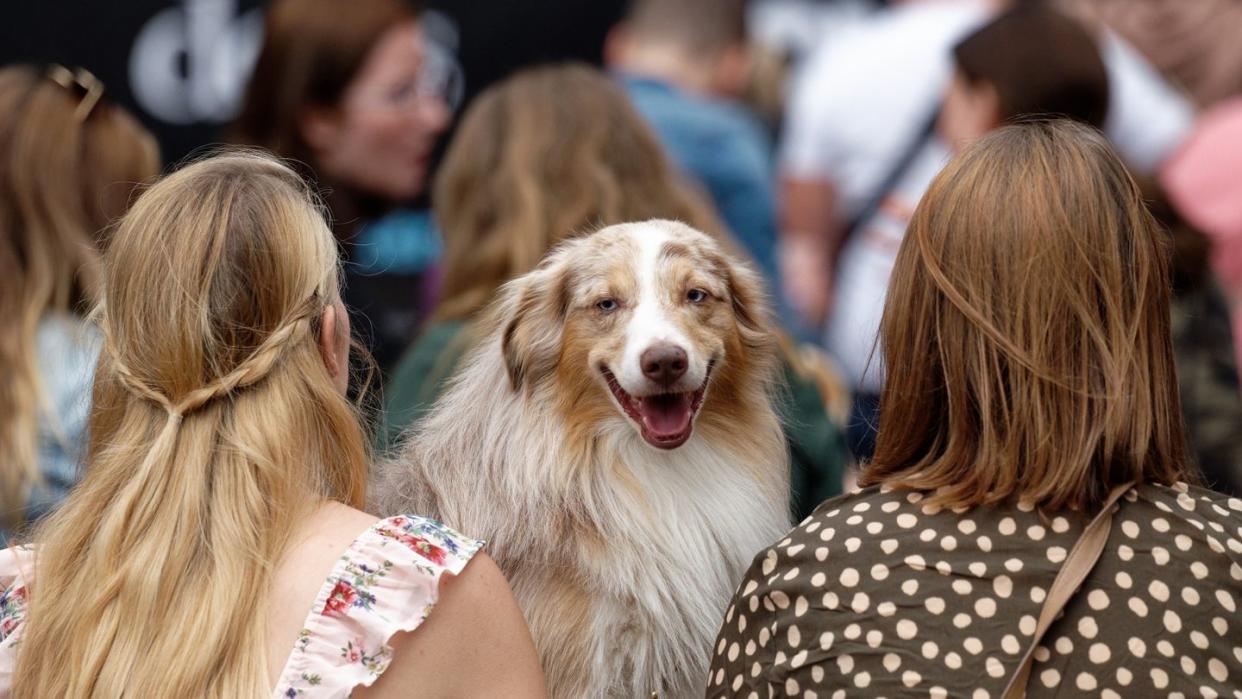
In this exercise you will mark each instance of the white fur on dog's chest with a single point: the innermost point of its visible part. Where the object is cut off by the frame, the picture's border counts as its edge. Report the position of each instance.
(673, 560)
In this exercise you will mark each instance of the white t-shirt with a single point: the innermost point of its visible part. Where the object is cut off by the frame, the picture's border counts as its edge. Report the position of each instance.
(864, 269)
(862, 97)
(860, 101)
(1147, 117)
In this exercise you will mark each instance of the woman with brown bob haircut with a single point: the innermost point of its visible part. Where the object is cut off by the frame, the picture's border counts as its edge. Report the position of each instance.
(1031, 447)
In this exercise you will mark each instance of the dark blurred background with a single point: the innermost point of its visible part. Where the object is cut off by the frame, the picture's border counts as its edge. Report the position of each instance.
(180, 65)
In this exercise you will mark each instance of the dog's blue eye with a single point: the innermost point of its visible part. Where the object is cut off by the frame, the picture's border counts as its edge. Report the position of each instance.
(696, 296)
(607, 305)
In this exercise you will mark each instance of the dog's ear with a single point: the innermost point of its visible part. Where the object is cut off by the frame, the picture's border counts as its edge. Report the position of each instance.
(532, 312)
(750, 305)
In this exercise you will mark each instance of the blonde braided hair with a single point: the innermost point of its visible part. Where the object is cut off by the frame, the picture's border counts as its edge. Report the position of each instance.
(215, 281)
(250, 371)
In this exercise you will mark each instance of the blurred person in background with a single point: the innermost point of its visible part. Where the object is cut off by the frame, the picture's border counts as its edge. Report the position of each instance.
(1031, 524)
(1029, 60)
(69, 162)
(349, 95)
(1194, 43)
(685, 65)
(862, 102)
(1204, 347)
(1203, 185)
(551, 153)
(214, 547)
(1203, 181)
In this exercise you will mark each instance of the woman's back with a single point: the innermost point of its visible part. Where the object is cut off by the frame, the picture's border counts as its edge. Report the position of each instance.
(1030, 382)
(213, 530)
(344, 602)
(881, 592)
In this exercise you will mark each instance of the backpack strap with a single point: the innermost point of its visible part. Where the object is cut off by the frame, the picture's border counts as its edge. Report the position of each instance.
(893, 175)
(1078, 564)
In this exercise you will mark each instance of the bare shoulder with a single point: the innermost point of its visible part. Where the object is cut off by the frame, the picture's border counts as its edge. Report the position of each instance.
(314, 548)
(320, 539)
(328, 532)
(475, 623)
(481, 584)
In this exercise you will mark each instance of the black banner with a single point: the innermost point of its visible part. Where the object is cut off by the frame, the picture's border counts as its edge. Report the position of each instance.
(181, 65)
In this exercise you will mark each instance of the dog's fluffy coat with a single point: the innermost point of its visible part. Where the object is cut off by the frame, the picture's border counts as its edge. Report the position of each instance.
(623, 556)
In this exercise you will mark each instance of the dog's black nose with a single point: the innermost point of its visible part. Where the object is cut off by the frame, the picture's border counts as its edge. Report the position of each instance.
(664, 363)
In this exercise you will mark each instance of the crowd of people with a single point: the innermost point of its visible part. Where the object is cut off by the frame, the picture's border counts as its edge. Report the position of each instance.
(1001, 243)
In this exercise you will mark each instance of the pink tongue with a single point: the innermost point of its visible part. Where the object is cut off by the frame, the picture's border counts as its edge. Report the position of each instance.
(668, 414)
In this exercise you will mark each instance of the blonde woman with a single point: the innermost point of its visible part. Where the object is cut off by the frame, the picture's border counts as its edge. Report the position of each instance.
(68, 163)
(1027, 527)
(213, 548)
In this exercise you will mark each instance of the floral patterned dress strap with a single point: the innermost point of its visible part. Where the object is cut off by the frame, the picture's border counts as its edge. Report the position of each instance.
(16, 570)
(386, 582)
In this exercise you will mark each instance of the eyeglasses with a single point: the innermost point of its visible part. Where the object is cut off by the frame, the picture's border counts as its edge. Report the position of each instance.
(438, 79)
(80, 82)
(441, 75)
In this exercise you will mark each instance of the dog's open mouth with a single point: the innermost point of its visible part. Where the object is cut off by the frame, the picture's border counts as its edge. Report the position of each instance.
(666, 419)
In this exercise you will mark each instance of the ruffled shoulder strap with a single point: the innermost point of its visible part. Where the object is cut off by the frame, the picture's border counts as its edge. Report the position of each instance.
(386, 582)
(16, 569)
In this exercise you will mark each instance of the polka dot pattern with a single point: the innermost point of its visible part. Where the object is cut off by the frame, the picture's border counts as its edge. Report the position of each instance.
(885, 593)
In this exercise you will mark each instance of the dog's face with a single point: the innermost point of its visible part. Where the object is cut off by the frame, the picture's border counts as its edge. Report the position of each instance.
(632, 323)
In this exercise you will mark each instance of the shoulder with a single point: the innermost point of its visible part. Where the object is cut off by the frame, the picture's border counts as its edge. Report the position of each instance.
(16, 574)
(477, 588)
(682, 118)
(385, 584)
(476, 620)
(1184, 513)
(891, 43)
(1189, 499)
(68, 347)
(827, 534)
(425, 351)
(422, 540)
(418, 376)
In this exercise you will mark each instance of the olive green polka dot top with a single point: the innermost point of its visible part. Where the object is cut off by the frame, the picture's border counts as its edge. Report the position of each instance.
(877, 594)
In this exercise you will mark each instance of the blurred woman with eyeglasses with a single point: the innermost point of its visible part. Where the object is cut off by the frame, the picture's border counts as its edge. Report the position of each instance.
(69, 163)
(356, 98)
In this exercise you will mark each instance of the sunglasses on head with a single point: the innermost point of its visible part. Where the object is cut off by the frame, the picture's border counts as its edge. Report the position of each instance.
(80, 82)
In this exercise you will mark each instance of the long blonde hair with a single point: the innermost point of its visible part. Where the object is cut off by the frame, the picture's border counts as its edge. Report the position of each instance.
(215, 423)
(63, 178)
(1026, 331)
(549, 153)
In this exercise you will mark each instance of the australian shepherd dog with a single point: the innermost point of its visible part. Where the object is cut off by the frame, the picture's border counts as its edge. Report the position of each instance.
(614, 441)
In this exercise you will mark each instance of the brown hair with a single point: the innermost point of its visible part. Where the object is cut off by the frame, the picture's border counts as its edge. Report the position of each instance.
(1041, 62)
(311, 51)
(65, 173)
(702, 26)
(214, 427)
(549, 153)
(1026, 331)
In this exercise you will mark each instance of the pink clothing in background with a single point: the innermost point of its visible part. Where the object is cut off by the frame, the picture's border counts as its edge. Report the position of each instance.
(1203, 180)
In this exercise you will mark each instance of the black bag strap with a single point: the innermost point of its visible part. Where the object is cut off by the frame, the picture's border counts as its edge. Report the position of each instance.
(894, 174)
